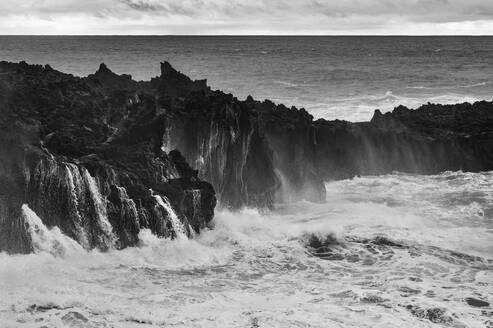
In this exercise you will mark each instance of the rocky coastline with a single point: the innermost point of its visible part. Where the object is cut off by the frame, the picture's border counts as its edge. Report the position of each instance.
(103, 157)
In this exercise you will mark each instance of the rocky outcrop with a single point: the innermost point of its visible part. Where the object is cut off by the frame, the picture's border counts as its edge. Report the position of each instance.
(220, 137)
(431, 139)
(84, 156)
(258, 153)
(254, 153)
(103, 157)
(291, 135)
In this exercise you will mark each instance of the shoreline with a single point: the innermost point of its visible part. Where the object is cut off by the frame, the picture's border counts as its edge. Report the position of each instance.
(173, 143)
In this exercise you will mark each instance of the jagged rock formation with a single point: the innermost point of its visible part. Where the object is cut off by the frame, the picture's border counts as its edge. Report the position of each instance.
(86, 157)
(291, 135)
(253, 153)
(431, 139)
(256, 153)
(103, 157)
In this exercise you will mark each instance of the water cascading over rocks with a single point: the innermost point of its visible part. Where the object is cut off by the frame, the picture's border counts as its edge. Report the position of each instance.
(428, 140)
(85, 162)
(67, 196)
(258, 153)
(255, 154)
(103, 157)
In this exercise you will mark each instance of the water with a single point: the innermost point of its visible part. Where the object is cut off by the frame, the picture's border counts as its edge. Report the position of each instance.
(177, 225)
(45, 240)
(332, 77)
(254, 270)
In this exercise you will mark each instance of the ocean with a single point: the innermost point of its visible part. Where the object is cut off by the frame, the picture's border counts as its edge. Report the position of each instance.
(407, 250)
(332, 77)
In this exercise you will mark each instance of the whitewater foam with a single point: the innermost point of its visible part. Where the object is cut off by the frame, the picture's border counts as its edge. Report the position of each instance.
(176, 224)
(361, 108)
(45, 240)
(100, 209)
(408, 249)
(465, 86)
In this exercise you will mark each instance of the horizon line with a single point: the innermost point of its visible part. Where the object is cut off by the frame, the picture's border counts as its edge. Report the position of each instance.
(263, 35)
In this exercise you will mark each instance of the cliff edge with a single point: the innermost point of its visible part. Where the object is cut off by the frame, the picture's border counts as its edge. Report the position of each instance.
(103, 157)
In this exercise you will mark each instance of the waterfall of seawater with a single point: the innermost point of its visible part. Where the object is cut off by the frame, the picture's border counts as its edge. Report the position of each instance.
(51, 241)
(107, 237)
(405, 251)
(67, 193)
(80, 185)
(129, 203)
(74, 182)
(177, 225)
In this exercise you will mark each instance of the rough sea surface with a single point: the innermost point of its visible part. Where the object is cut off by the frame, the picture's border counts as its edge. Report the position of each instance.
(405, 251)
(332, 77)
(395, 251)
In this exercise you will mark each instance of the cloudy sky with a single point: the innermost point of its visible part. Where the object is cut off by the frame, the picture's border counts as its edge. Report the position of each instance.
(246, 16)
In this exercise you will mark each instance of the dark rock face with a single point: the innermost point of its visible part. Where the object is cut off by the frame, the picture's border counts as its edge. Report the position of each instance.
(254, 153)
(85, 155)
(103, 157)
(430, 139)
(220, 137)
(291, 134)
(435, 315)
(476, 303)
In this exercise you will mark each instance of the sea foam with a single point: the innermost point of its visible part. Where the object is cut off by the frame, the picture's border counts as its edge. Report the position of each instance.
(403, 255)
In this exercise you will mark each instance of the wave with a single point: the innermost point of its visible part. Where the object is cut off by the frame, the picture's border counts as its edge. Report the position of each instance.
(361, 108)
(51, 241)
(395, 247)
(287, 84)
(474, 85)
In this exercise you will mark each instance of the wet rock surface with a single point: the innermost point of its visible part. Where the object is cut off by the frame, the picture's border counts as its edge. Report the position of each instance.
(476, 302)
(435, 315)
(431, 139)
(103, 157)
(85, 156)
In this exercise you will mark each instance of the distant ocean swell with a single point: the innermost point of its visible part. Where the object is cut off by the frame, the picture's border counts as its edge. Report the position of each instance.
(361, 107)
(479, 84)
(332, 77)
(398, 250)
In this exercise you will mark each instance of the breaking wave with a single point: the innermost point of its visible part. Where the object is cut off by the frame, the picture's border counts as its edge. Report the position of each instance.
(45, 240)
(397, 250)
(465, 86)
(357, 109)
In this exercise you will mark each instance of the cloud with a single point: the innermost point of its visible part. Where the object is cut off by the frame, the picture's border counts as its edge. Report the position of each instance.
(247, 16)
(141, 5)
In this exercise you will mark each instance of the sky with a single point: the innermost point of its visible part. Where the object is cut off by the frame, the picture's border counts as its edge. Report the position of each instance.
(246, 17)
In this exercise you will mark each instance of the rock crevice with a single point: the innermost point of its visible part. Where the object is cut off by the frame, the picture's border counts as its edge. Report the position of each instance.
(103, 157)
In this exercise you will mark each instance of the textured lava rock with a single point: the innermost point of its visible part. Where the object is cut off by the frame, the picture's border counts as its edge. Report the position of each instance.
(430, 139)
(256, 153)
(85, 155)
(435, 315)
(476, 303)
(104, 156)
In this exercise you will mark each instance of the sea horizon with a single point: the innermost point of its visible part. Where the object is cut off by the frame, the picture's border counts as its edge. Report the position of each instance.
(264, 35)
(161, 189)
(333, 77)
